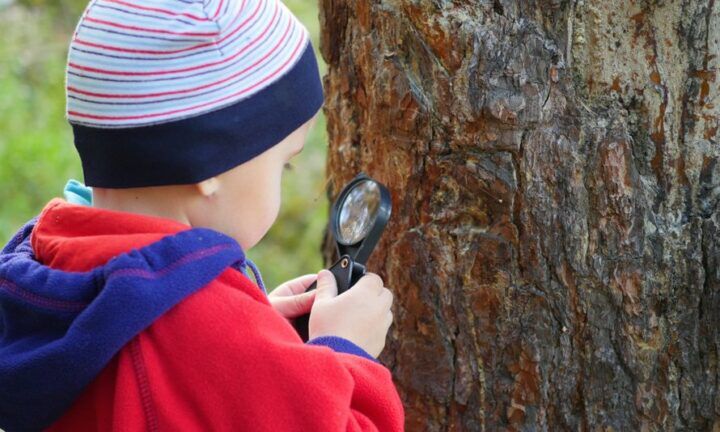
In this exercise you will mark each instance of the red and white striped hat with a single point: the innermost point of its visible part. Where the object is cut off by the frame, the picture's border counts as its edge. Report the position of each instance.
(176, 91)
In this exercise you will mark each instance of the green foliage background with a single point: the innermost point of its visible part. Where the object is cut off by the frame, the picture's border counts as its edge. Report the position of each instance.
(37, 156)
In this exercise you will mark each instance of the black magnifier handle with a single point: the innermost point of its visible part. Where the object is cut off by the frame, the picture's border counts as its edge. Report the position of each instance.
(347, 272)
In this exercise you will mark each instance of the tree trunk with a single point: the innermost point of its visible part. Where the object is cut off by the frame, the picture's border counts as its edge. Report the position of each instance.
(555, 178)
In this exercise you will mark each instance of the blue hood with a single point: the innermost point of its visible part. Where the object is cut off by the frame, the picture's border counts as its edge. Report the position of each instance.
(59, 329)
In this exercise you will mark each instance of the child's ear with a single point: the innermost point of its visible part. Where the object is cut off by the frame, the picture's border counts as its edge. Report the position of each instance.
(208, 187)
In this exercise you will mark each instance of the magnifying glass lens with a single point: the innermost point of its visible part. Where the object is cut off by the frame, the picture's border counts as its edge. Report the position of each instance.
(358, 212)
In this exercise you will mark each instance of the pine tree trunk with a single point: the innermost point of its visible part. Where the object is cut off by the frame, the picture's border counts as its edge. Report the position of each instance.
(555, 237)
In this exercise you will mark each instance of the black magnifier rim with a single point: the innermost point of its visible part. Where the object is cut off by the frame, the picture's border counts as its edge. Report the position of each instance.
(361, 250)
(355, 183)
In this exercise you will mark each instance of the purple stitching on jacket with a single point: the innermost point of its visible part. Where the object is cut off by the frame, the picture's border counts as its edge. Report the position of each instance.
(74, 306)
(150, 274)
(138, 363)
(37, 300)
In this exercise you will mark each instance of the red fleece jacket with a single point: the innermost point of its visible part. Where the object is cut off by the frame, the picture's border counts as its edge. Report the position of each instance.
(222, 359)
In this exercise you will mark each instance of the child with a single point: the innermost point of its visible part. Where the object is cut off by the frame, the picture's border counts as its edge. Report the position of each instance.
(135, 313)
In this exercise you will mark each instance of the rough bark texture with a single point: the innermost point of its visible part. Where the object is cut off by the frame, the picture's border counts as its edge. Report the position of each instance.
(555, 172)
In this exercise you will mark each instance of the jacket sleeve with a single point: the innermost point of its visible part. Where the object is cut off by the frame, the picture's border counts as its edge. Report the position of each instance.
(223, 359)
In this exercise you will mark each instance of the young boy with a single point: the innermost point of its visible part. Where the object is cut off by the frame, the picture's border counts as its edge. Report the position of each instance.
(135, 313)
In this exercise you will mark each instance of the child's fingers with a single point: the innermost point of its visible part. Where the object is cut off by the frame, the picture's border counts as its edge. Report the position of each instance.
(298, 285)
(307, 280)
(293, 307)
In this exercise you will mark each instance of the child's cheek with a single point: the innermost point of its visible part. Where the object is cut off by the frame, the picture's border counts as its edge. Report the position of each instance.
(265, 213)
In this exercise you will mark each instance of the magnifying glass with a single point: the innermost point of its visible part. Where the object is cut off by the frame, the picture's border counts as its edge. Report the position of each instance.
(357, 220)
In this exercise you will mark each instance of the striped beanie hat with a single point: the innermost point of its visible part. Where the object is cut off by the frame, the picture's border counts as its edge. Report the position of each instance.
(163, 92)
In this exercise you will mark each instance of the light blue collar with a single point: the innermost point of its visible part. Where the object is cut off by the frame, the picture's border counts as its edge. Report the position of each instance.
(77, 193)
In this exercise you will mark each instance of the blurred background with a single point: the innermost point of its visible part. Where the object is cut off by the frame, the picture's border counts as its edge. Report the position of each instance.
(37, 156)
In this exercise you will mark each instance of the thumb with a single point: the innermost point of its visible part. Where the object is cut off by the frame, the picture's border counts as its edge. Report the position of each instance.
(326, 285)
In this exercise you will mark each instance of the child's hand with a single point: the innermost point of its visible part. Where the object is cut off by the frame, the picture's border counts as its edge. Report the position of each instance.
(361, 314)
(290, 298)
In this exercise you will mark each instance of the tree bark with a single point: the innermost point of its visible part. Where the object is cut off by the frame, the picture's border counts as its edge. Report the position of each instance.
(555, 178)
